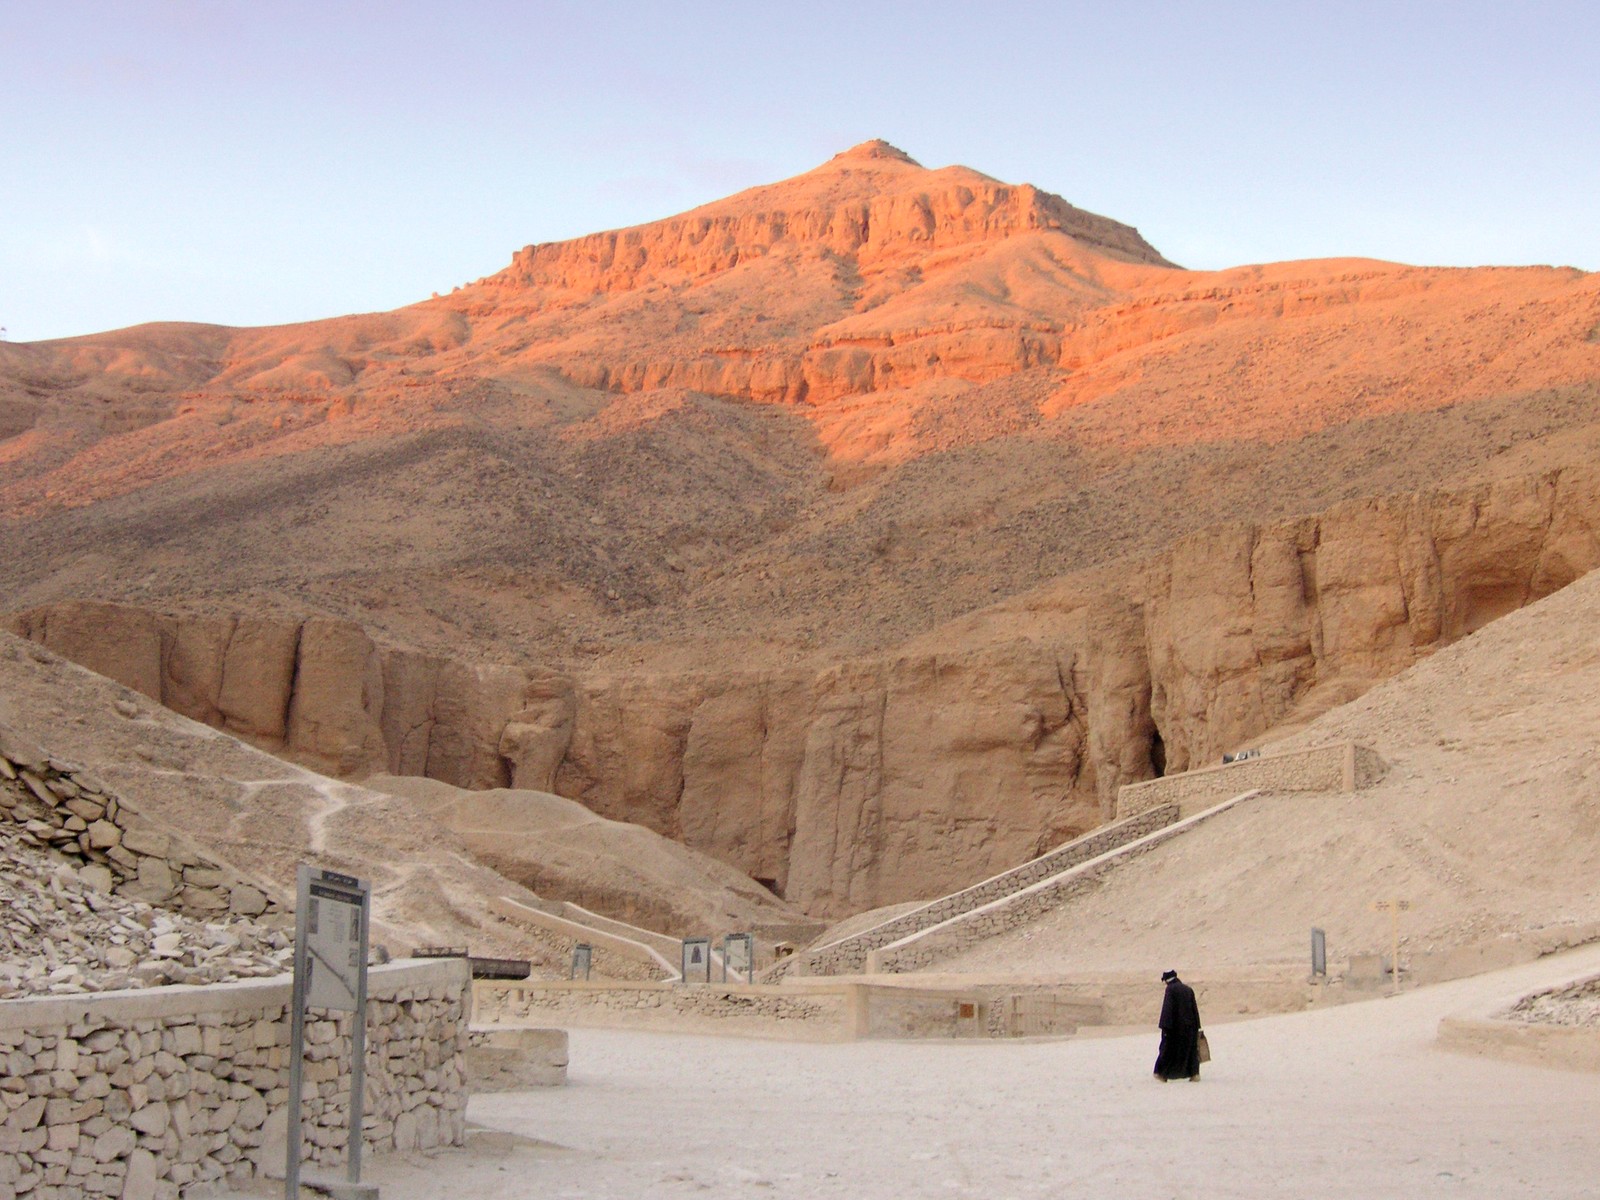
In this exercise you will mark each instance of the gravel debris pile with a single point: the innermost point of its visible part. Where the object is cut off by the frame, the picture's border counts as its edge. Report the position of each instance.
(1578, 1004)
(60, 936)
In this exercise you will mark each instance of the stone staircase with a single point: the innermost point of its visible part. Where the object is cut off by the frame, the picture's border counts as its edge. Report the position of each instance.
(849, 955)
(1150, 813)
(920, 949)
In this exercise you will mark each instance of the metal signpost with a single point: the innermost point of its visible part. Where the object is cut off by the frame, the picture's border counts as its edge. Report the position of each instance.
(1319, 952)
(696, 958)
(1394, 908)
(738, 956)
(331, 916)
(582, 954)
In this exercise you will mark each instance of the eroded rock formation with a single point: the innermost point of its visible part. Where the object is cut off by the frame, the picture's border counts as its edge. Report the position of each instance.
(865, 530)
(892, 778)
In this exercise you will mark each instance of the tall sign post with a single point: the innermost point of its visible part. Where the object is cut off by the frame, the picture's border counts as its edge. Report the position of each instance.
(331, 916)
(1394, 909)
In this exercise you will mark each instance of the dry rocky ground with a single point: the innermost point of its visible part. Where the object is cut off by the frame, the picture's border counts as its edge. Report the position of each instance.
(1578, 1005)
(61, 936)
(1487, 822)
(263, 816)
(862, 531)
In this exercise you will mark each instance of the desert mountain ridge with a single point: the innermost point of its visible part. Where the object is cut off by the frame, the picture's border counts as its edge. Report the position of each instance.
(866, 529)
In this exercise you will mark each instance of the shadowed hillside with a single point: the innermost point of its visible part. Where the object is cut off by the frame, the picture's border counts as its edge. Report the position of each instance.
(865, 529)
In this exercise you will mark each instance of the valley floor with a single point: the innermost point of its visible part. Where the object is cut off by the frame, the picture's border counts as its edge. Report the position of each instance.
(1355, 1101)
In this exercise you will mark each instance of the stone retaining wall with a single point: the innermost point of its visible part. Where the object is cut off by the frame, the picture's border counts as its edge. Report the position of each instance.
(1338, 767)
(762, 1011)
(922, 949)
(511, 1060)
(143, 1095)
(61, 807)
(848, 956)
(667, 947)
(808, 1011)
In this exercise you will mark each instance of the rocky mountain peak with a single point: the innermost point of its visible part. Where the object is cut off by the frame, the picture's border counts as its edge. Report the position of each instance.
(873, 150)
(866, 204)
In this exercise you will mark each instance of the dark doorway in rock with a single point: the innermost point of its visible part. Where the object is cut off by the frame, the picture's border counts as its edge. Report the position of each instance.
(772, 886)
(1158, 754)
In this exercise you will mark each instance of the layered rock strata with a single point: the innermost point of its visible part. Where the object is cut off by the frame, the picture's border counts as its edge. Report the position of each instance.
(877, 781)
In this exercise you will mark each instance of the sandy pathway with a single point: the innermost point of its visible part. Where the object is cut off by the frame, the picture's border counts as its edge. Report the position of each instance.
(1348, 1102)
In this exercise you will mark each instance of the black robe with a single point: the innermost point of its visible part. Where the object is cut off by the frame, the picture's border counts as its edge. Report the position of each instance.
(1179, 1056)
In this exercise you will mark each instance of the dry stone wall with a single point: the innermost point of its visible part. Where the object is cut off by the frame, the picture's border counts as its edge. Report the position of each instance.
(612, 956)
(774, 1011)
(147, 1095)
(57, 805)
(812, 1012)
(849, 955)
(1339, 767)
(874, 782)
(922, 949)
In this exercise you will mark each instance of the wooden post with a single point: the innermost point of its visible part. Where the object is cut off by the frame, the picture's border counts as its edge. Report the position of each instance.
(1395, 908)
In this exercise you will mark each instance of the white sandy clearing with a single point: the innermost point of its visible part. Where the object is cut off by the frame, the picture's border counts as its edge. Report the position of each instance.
(1353, 1101)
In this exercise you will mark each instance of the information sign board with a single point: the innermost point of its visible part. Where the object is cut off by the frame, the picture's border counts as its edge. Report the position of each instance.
(330, 972)
(738, 953)
(696, 960)
(335, 919)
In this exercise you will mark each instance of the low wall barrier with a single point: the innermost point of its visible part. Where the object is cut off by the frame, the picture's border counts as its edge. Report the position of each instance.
(1337, 767)
(144, 1094)
(816, 1011)
(667, 947)
(701, 1008)
(642, 959)
(848, 955)
(925, 947)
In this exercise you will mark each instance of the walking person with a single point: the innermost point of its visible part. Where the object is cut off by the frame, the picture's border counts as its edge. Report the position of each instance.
(1179, 1056)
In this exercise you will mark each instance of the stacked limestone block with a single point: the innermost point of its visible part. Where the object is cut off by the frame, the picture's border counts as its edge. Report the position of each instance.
(1577, 1004)
(1339, 767)
(147, 1095)
(58, 805)
(660, 1004)
(919, 951)
(61, 936)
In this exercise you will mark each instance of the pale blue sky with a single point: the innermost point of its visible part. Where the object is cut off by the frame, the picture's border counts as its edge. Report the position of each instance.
(256, 161)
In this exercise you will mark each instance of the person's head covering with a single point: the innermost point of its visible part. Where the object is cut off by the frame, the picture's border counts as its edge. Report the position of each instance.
(1168, 976)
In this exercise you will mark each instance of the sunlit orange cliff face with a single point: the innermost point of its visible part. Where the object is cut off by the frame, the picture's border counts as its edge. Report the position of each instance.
(896, 507)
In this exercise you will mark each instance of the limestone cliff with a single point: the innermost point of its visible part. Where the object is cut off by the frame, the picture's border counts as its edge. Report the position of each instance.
(865, 529)
(885, 779)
